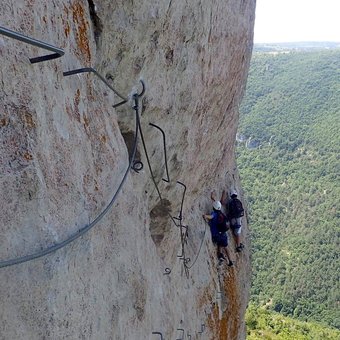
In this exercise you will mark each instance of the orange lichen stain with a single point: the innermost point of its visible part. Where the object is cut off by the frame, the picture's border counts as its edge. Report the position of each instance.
(67, 29)
(219, 328)
(71, 112)
(204, 300)
(226, 327)
(30, 3)
(86, 122)
(230, 323)
(66, 10)
(223, 327)
(68, 109)
(213, 322)
(76, 104)
(3, 122)
(28, 156)
(96, 188)
(90, 93)
(78, 16)
(86, 179)
(77, 98)
(29, 120)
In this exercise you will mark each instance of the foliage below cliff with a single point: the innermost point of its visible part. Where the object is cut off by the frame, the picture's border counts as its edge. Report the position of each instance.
(264, 324)
(292, 109)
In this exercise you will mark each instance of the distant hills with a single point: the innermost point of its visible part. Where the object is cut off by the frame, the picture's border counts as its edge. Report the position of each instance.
(288, 155)
(296, 46)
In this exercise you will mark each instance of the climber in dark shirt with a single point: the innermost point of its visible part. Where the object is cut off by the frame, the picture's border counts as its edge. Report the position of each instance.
(218, 227)
(235, 213)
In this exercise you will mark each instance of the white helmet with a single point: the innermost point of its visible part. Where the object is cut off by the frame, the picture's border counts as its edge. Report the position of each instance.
(217, 205)
(233, 193)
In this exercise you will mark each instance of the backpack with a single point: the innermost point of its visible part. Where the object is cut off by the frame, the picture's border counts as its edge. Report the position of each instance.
(222, 222)
(236, 208)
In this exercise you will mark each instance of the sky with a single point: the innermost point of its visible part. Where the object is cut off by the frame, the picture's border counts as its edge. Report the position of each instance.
(297, 20)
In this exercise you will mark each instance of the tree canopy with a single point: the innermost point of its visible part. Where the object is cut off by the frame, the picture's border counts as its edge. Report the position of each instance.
(264, 324)
(290, 177)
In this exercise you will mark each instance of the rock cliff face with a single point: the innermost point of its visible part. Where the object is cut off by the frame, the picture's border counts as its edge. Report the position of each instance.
(65, 149)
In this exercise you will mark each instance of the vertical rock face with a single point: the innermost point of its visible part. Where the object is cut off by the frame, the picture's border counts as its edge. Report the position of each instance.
(65, 149)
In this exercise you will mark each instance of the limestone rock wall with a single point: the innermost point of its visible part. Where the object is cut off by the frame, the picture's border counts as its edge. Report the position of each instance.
(65, 149)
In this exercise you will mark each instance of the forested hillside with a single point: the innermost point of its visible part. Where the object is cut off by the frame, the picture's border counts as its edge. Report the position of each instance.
(265, 324)
(289, 165)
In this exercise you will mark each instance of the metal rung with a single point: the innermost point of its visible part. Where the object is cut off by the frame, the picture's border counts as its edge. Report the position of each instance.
(58, 52)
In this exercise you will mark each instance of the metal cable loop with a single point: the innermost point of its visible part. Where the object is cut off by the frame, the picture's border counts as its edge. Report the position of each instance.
(167, 271)
(182, 257)
(185, 259)
(137, 166)
(199, 250)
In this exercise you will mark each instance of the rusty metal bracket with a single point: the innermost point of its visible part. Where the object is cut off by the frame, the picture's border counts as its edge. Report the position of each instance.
(164, 148)
(181, 336)
(92, 70)
(160, 334)
(202, 328)
(180, 216)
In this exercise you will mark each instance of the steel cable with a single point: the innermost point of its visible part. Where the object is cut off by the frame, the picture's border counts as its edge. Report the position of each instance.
(183, 257)
(150, 169)
(86, 228)
(199, 250)
(160, 195)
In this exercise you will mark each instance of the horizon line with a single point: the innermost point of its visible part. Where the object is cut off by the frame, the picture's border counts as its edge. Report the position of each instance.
(299, 42)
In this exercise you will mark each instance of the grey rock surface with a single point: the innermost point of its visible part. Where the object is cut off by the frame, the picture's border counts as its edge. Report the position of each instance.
(65, 149)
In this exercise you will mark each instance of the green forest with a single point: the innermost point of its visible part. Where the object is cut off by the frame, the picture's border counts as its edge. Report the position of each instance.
(265, 324)
(288, 158)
